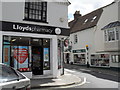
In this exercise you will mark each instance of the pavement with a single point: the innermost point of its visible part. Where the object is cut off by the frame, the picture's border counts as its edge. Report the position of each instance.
(68, 78)
(64, 80)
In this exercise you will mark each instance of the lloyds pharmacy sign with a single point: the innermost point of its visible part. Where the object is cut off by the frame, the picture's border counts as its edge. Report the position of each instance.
(31, 28)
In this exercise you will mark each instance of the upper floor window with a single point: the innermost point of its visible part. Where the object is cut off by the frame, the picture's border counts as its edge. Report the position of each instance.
(36, 11)
(75, 39)
(112, 34)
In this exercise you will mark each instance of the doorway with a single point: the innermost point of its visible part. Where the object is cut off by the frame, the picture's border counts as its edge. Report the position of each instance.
(37, 60)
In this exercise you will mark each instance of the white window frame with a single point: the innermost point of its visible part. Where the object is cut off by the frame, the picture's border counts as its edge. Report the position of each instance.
(111, 31)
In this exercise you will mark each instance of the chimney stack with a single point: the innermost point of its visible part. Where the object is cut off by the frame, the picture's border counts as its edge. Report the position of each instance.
(77, 14)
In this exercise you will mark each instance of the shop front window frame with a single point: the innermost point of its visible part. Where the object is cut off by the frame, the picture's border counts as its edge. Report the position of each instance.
(115, 58)
(29, 60)
(100, 60)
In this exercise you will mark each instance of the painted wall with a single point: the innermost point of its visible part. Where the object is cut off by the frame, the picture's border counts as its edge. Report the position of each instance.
(110, 14)
(56, 13)
(1, 47)
(85, 37)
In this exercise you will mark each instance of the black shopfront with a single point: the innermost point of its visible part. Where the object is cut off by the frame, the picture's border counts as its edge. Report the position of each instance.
(27, 53)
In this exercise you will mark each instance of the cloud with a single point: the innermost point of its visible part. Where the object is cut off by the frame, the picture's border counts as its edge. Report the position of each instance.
(85, 6)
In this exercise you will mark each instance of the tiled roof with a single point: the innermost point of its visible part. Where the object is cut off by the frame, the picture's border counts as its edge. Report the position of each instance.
(112, 24)
(84, 22)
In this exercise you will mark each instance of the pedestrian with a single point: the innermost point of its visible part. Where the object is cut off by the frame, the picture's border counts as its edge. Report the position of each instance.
(88, 64)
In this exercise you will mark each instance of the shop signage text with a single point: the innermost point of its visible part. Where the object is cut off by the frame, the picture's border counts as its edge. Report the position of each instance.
(31, 29)
(79, 51)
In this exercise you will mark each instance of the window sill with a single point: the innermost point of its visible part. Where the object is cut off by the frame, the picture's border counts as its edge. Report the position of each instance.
(33, 20)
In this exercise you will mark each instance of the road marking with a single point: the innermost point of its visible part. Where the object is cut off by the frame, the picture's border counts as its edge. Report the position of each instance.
(69, 70)
(85, 70)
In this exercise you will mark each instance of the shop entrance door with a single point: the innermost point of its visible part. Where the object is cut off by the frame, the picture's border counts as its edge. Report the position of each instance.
(37, 60)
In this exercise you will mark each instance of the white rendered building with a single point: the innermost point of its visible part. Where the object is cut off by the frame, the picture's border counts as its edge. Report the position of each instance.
(30, 31)
(95, 37)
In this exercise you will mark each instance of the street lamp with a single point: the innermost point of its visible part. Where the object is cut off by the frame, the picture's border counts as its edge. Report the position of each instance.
(87, 56)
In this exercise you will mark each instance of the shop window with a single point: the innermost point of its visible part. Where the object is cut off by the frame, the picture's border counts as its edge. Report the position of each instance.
(36, 42)
(100, 59)
(15, 52)
(6, 39)
(115, 58)
(46, 54)
(36, 11)
(20, 41)
(46, 59)
(20, 57)
(79, 58)
(59, 54)
(6, 54)
(46, 42)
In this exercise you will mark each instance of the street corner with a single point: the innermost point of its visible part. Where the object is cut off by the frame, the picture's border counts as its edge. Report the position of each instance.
(65, 80)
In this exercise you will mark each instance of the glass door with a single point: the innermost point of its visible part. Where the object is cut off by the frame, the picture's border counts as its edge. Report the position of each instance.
(37, 60)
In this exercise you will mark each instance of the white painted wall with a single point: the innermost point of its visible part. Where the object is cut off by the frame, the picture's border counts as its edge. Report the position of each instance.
(110, 14)
(1, 47)
(85, 37)
(119, 10)
(14, 11)
(0, 10)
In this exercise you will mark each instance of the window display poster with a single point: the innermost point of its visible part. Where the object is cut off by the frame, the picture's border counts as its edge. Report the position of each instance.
(6, 57)
(20, 57)
(46, 54)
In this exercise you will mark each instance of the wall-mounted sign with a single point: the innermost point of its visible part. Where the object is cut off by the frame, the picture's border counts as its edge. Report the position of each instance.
(58, 31)
(32, 28)
(79, 51)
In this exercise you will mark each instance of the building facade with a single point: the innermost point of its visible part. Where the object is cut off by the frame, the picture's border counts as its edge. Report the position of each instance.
(95, 37)
(30, 33)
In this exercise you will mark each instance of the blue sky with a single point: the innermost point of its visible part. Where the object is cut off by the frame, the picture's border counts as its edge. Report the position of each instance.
(85, 6)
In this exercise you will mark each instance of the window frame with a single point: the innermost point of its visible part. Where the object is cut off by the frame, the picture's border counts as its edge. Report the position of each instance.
(34, 11)
(112, 31)
(75, 39)
(115, 58)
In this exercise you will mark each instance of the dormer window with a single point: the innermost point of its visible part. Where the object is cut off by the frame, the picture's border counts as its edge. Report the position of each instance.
(93, 19)
(86, 20)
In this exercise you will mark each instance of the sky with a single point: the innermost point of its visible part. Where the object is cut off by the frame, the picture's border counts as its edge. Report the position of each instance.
(85, 6)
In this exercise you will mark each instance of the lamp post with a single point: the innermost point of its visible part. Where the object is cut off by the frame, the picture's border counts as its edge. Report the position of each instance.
(62, 47)
(87, 48)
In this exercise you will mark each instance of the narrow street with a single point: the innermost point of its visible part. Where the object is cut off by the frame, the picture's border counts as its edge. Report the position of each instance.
(92, 78)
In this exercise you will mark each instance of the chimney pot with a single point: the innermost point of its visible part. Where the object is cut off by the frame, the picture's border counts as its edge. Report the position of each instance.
(77, 14)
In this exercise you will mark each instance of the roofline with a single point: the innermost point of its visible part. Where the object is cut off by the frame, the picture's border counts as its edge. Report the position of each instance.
(82, 29)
